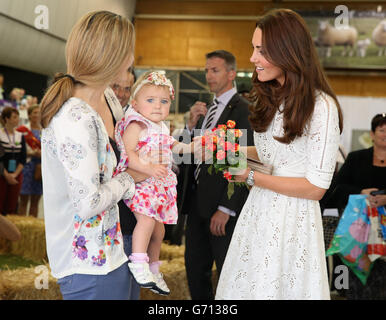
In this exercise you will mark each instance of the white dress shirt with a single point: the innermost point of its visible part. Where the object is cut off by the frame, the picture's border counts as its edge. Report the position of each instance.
(223, 100)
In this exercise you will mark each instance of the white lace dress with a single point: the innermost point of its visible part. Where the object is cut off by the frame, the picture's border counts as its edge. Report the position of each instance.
(277, 249)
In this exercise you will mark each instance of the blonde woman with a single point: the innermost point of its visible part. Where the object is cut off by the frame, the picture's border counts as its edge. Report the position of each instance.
(84, 240)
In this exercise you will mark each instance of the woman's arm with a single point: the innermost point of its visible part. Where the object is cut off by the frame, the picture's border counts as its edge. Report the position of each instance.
(8, 230)
(137, 176)
(82, 149)
(18, 170)
(21, 157)
(289, 186)
(10, 177)
(130, 139)
(321, 149)
(377, 200)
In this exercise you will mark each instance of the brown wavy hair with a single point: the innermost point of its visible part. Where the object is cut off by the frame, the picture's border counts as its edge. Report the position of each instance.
(99, 43)
(288, 45)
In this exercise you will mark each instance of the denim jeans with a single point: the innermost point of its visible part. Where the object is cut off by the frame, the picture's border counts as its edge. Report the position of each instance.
(134, 288)
(112, 286)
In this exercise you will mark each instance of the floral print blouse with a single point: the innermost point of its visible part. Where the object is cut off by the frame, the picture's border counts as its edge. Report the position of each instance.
(81, 215)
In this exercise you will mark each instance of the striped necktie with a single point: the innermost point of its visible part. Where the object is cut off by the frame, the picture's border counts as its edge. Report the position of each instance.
(211, 114)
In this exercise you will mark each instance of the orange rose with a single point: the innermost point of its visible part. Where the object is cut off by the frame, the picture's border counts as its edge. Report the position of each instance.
(231, 124)
(211, 147)
(238, 133)
(221, 143)
(228, 146)
(220, 133)
(235, 147)
(227, 175)
(220, 155)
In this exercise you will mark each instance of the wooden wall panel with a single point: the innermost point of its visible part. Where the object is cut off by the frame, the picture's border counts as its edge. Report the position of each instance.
(240, 7)
(180, 43)
(201, 7)
(359, 85)
(176, 43)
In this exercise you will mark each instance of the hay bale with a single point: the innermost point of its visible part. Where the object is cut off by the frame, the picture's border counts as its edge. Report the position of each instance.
(170, 252)
(20, 284)
(175, 277)
(32, 244)
(2, 289)
(23, 284)
(5, 245)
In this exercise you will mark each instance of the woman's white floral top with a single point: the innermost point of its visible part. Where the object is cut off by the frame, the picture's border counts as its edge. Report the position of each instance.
(80, 196)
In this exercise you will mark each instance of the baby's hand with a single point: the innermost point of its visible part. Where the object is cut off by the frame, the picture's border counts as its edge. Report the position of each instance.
(200, 152)
(158, 171)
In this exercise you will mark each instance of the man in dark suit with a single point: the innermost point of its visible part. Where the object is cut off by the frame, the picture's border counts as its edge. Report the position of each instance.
(211, 215)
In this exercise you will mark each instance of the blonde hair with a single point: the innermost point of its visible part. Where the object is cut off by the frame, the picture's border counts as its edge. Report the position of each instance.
(99, 43)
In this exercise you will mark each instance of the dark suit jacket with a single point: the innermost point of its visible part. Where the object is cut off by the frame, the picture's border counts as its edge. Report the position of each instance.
(212, 188)
(357, 173)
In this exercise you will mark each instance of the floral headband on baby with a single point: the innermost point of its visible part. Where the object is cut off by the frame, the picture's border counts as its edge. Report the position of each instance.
(157, 78)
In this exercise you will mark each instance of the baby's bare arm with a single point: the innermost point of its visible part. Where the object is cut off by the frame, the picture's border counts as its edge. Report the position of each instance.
(135, 161)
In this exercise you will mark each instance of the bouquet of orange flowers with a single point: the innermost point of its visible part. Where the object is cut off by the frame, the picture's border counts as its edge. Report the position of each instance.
(223, 143)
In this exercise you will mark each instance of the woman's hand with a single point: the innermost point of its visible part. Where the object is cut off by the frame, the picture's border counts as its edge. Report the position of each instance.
(158, 171)
(367, 191)
(239, 175)
(377, 201)
(137, 176)
(10, 177)
(8, 230)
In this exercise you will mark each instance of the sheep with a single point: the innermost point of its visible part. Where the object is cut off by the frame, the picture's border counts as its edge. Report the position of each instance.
(329, 36)
(362, 47)
(379, 37)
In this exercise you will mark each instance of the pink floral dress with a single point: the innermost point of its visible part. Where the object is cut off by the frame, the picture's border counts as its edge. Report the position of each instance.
(156, 198)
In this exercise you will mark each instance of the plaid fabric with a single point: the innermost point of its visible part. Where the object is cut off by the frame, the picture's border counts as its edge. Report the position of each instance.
(329, 225)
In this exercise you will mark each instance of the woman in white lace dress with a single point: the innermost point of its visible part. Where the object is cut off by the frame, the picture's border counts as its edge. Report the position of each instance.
(277, 249)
